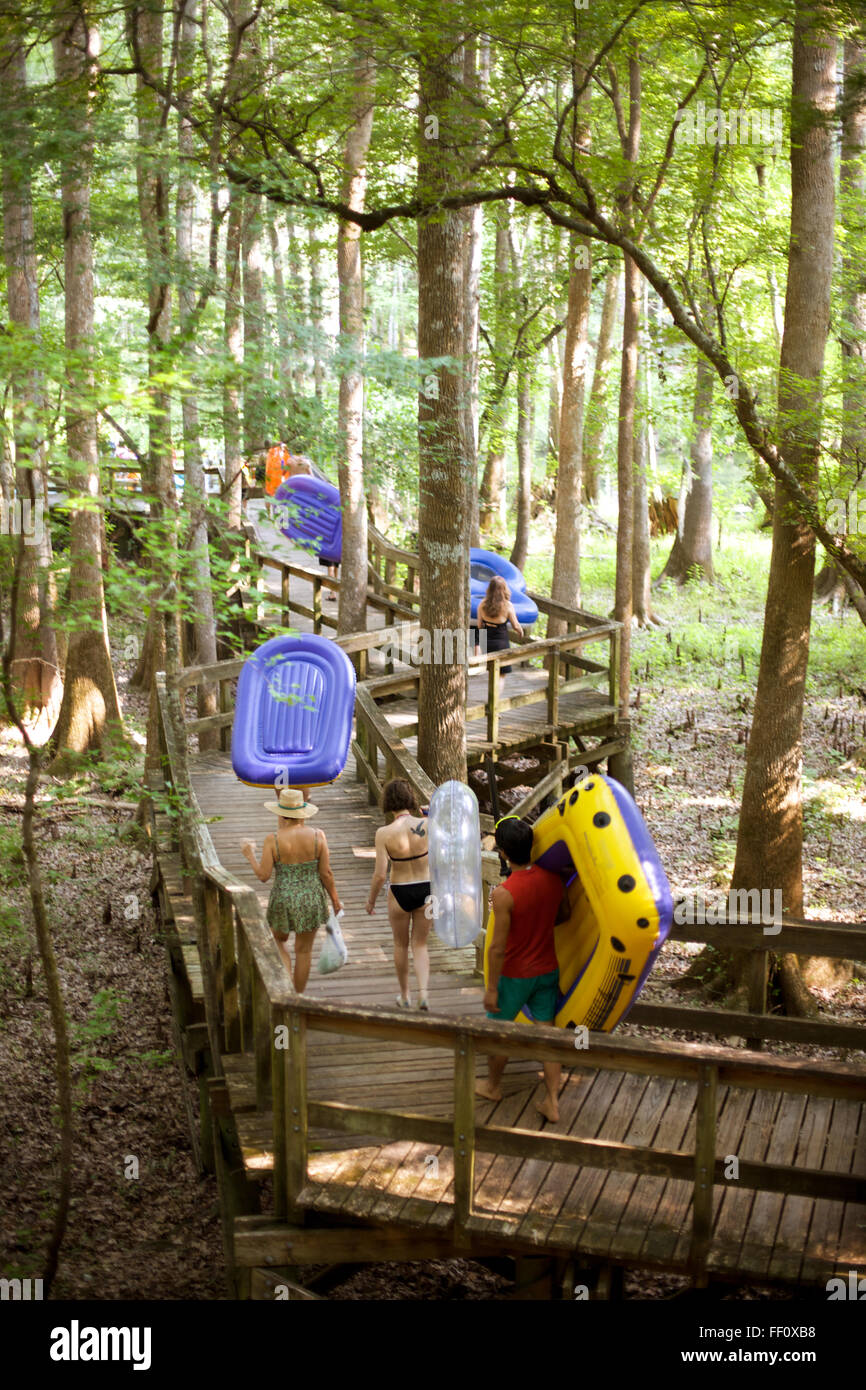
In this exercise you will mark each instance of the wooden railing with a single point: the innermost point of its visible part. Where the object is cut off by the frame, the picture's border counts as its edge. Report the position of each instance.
(251, 1007)
(707, 1068)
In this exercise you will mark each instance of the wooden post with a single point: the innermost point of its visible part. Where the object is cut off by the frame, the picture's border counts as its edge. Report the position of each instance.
(262, 1042)
(493, 701)
(245, 984)
(296, 1112)
(553, 689)
(705, 1162)
(225, 708)
(758, 969)
(613, 674)
(280, 1029)
(317, 604)
(464, 1128)
(284, 594)
(214, 925)
(620, 765)
(228, 953)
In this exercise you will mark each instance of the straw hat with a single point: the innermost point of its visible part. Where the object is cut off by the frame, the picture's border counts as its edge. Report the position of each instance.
(291, 803)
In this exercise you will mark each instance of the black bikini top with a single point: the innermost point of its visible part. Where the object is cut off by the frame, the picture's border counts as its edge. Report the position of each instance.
(405, 858)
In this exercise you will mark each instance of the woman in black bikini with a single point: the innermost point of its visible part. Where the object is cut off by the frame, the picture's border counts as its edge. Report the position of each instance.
(495, 615)
(403, 844)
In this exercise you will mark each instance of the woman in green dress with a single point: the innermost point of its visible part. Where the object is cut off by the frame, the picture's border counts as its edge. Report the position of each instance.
(298, 856)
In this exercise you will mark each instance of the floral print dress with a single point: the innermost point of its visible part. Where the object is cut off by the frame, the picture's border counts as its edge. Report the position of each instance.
(298, 902)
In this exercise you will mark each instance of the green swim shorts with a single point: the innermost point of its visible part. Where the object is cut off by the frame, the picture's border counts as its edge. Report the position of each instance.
(536, 992)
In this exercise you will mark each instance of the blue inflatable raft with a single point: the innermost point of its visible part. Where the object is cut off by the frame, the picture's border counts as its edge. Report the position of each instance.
(293, 713)
(308, 512)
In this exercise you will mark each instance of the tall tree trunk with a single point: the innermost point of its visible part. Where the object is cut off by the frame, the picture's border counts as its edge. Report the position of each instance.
(692, 549)
(442, 533)
(255, 412)
(565, 586)
(525, 433)
(476, 73)
(194, 491)
(641, 551)
(316, 308)
(158, 477)
(554, 406)
(624, 602)
(596, 412)
(770, 838)
(286, 379)
(234, 337)
(152, 180)
(493, 481)
(350, 425)
(295, 290)
(35, 663)
(90, 711)
(831, 583)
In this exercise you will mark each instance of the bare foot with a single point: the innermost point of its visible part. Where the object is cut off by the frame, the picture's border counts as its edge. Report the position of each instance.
(484, 1088)
(549, 1109)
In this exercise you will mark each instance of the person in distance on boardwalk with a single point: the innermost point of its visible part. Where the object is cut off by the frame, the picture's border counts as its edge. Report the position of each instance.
(298, 855)
(522, 968)
(495, 615)
(403, 844)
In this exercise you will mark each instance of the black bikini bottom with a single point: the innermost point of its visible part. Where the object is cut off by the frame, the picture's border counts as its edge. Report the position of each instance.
(411, 896)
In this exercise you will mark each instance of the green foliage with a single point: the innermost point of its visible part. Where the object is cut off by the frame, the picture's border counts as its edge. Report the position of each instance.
(12, 868)
(87, 1037)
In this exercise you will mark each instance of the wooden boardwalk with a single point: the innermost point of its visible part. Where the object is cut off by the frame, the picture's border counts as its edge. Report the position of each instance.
(529, 1203)
(359, 1137)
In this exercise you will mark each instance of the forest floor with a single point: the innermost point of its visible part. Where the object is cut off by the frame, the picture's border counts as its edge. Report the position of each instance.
(143, 1224)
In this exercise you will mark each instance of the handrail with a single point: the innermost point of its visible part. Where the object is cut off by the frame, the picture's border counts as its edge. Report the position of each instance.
(250, 1001)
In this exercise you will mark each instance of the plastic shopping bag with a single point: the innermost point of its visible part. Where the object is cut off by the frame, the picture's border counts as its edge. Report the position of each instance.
(334, 952)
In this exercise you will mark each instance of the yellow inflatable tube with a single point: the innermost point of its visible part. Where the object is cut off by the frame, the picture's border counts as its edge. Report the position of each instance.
(620, 902)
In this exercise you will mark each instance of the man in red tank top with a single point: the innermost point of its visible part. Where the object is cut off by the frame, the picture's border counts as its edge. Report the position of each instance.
(522, 969)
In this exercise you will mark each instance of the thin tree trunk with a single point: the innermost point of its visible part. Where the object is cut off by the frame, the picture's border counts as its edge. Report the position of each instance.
(152, 181)
(831, 583)
(234, 350)
(554, 407)
(255, 411)
(90, 711)
(641, 551)
(295, 290)
(53, 986)
(350, 424)
(476, 73)
(692, 550)
(770, 839)
(35, 663)
(316, 309)
(624, 603)
(596, 413)
(442, 532)
(565, 586)
(194, 491)
(493, 481)
(286, 380)
(523, 500)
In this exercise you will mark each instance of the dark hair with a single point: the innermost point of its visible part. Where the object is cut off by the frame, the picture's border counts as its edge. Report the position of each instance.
(497, 597)
(399, 796)
(514, 839)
